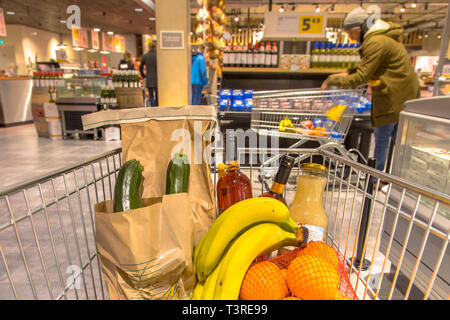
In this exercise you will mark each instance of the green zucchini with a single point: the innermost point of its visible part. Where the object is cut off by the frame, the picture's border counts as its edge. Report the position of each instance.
(177, 179)
(127, 194)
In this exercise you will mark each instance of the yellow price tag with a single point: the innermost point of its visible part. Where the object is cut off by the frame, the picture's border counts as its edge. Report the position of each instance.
(311, 24)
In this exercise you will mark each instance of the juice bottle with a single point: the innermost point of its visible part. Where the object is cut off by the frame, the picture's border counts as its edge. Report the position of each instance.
(307, 207)
(234, 185)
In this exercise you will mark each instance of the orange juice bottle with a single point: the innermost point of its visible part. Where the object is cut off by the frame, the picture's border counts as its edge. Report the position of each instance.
(307, 207)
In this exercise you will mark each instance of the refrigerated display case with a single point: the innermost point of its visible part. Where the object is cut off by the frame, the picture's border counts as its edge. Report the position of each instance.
(421, 156)
(79, 96)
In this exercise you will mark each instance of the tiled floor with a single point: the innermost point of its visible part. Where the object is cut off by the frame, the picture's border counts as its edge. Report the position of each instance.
(25, 156)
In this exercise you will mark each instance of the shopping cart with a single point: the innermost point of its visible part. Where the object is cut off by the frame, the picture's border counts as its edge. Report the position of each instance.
(48, 250)
(309, 112)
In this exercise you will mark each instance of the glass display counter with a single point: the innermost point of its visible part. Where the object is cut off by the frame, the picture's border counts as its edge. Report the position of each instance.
(79, 96)
(422, 156)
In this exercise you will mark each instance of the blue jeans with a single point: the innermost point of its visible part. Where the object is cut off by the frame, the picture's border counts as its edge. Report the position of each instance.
(383, 135)
(196, 94)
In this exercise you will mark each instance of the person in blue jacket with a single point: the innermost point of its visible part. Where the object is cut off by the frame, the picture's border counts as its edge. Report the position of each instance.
(199, 77)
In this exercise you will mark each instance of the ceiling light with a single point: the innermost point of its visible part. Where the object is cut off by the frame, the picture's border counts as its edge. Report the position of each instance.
(110, 33)
(403, 8)
(317, 8)
(152, 18)
(104, 52)
(96, 29)
(439, 36)
(294, 7)
(62, 46)
(332, 8)
(426, 35)
(138, 9)
(413, 5)
(236, 18)
(10, 13)
(78, 49)
(63, 21)
(282, 8)
(92, 50)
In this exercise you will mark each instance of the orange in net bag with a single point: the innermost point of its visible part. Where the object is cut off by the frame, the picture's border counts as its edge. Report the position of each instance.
(344, 288)
(312, 278)
(322, 250)
(263, 281)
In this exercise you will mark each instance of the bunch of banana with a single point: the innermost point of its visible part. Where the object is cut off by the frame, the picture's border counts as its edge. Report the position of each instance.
(286, 125)
(243, 232)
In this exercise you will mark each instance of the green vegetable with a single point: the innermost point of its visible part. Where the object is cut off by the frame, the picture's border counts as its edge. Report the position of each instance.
(127, 188)
(177, 179)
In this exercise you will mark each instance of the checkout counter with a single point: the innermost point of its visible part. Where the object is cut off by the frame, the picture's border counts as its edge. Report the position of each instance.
(15, 100)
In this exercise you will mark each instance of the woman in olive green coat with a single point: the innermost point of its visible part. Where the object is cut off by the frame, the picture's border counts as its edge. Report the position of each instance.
(386, 67)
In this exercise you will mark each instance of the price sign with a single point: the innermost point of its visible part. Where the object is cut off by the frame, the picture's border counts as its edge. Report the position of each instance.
(294, 25)
(311, 24)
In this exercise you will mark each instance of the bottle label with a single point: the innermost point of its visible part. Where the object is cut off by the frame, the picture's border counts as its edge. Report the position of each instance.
(274, 60)
(315, 233)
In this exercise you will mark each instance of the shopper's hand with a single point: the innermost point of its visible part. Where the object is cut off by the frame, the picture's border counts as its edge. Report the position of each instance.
(324, 85)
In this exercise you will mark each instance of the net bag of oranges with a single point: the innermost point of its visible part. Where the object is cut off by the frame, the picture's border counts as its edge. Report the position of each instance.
(315, 272)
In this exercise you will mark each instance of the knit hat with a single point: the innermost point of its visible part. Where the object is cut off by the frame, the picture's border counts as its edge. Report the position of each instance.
(355, 18)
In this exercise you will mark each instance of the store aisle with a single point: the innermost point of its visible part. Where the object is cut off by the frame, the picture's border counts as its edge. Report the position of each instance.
(24, 156)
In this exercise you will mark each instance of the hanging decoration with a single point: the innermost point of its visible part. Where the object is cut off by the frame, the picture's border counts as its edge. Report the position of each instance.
(210, 31)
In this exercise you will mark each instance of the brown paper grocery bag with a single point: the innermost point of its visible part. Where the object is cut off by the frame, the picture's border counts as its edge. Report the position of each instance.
(154, 142)
(146, 253)
(152, 135)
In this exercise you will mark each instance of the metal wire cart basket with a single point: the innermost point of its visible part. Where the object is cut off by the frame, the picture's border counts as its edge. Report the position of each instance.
(313, 114)
(48, 251)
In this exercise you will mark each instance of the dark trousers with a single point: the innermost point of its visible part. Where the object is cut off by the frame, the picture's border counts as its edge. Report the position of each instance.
(196, 94)
(153, 96)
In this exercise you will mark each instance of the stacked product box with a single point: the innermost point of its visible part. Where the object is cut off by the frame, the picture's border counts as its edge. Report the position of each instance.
(235, 100)
(47, 120)
(430, 167)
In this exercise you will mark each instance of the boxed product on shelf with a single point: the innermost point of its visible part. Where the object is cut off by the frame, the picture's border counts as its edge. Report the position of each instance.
(295, 62)
(418, 164)
(285, 62)
(436, 180)
(440, 163)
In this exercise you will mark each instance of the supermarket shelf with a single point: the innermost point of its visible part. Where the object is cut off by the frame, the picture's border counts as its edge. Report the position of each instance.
(279, 70)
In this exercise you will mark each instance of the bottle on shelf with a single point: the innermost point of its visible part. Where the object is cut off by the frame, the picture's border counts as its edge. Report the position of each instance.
(234, 185)
(322, 58)
(328, 55)
(346, 54)
(315, 56)
(356, 57)
(244, 55)
(262, 55)
(226, 56)
(307, 207)
(255, 55)
(237, 55)
(340, 56)
(250, 55)
(268, 55)
(274, 58)
(231, 59)
(281, 178)
(51, 92)
(334, 57)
